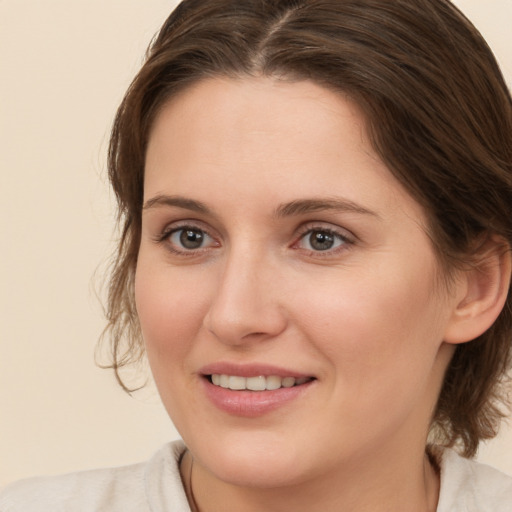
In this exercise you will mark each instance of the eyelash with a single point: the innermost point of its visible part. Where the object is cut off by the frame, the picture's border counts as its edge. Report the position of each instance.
(168, 232)
(342, 238)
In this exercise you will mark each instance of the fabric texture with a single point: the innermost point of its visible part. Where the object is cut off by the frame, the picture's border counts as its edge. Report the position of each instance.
(155, 486)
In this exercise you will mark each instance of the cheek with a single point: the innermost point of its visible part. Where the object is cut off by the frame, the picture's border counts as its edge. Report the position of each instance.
(377, 331)
(170, 311)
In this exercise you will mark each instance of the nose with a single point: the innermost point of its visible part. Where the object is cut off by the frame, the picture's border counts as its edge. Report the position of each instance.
(247, 305)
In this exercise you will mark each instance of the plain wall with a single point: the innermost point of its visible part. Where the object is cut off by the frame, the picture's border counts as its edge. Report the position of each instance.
(64, 66)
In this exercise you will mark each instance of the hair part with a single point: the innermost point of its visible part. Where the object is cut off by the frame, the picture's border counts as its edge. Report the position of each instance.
(438, 113)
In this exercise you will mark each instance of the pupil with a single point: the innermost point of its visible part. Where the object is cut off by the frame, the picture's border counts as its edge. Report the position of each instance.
(321, 241)
(191, 239)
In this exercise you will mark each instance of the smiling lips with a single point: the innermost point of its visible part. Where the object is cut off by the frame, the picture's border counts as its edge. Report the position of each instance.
(258, 391)
(258, 383)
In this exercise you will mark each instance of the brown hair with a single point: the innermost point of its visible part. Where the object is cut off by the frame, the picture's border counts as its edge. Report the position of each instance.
(438, 113)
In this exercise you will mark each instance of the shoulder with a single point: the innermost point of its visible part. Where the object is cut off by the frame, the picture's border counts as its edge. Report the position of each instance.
(123, 489)
(102, 489)
(468, 486)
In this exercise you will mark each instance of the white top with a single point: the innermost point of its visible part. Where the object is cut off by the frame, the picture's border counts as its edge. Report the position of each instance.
(155, 486)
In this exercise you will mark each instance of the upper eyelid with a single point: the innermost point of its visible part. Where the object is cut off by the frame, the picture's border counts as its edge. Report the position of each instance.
(190, 228)
(163, 234)
(301, 230)
(326, 226)
(187, 223)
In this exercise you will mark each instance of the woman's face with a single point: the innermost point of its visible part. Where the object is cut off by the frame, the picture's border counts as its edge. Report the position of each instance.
(279, 254)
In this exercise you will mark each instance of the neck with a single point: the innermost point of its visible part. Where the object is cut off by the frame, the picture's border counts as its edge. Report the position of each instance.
(360, 487)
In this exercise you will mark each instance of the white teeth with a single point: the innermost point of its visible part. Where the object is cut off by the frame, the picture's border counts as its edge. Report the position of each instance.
(256, 383)
(259, 383)
(237, 382)
(274, 382)
(288, 382)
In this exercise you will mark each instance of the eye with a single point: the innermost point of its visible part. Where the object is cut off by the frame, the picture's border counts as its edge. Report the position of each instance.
(188, 238)
(320, 240)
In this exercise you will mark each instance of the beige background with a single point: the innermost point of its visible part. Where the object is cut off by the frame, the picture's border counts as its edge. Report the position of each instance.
(64, 65)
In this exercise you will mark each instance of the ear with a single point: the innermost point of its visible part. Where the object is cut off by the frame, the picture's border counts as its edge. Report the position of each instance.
(480, 292)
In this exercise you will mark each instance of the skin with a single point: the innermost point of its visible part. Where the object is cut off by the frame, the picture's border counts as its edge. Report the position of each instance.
(366, 318)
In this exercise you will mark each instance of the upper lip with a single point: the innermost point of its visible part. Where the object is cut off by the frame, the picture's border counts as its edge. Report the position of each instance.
(249, 370)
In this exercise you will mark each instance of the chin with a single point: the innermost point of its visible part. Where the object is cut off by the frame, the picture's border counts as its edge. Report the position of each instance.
(249, 473)
(266, 462)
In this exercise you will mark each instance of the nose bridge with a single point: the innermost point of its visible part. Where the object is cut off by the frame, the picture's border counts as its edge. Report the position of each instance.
(245, 305)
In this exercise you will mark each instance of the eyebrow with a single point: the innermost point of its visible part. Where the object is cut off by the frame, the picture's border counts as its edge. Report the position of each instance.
(305, 206)
(297, 207)
(178, 201)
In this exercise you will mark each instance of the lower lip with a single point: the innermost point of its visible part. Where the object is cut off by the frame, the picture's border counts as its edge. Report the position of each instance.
(250, 404)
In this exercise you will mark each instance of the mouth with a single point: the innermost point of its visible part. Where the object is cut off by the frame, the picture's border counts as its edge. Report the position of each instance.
(256, 383)
(253, 390)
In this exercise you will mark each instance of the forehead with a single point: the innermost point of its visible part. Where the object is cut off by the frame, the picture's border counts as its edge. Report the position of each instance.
(266, 136)
(255, 117)
(249, 105)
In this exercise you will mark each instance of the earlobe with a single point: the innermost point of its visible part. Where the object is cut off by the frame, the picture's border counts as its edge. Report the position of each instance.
(482, 291)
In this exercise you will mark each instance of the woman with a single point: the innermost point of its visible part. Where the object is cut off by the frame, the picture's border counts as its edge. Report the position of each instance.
(316, 202)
